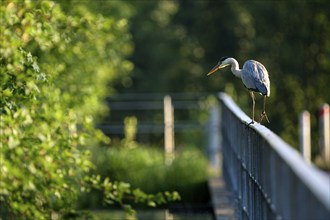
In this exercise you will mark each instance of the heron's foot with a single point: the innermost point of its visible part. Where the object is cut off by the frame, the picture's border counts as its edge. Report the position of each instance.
(262, 116)
(252, 122)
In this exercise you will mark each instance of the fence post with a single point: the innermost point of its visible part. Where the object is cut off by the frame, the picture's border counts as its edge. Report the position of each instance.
(168, 129)
(324, 123)
(214, 138)
(305, 135)
(269, 179)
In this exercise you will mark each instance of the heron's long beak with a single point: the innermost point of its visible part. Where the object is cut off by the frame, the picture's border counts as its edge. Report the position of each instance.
(217, 67)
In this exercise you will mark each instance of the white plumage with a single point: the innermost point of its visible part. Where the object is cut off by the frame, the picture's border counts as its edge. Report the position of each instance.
(254, 77)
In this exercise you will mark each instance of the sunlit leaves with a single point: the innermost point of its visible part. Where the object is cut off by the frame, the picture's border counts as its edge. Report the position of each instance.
(297, 59)
(55, 69)
(58, 63)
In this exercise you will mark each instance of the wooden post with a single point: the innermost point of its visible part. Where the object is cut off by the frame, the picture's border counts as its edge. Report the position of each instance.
(168, 130)
(214, 138)
(324, 123)
(305, 135)
(168, 215)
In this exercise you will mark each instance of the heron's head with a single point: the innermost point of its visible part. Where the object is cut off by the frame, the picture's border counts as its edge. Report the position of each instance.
(221, 64)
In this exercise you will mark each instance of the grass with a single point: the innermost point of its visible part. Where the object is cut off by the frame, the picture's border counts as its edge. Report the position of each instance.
(144, 167)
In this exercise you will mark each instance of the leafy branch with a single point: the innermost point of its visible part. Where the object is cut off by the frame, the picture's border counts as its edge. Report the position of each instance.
(122, 194)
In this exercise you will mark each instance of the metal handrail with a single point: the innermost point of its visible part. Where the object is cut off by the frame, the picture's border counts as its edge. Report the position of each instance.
(269, 177)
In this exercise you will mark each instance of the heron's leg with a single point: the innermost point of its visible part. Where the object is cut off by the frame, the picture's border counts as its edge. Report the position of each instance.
(263, 114)
(253, 104)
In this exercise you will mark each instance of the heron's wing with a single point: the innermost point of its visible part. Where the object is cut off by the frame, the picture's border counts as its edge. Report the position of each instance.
(255, 77)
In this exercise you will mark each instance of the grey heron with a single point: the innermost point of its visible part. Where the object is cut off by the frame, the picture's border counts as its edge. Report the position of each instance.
(254, 76)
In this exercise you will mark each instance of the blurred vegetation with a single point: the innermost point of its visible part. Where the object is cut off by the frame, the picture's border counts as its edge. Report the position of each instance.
(60, 59)
(177, 42)
(144, 168)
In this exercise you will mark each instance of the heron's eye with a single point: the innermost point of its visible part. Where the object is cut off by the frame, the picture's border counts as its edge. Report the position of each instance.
(223, 58)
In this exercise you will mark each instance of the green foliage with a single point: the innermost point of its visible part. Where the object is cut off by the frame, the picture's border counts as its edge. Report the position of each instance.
(56, 68)
(291, 38)
(130, 130)
(59, 60)
(122, 194)
(41, 165)
(144, 168)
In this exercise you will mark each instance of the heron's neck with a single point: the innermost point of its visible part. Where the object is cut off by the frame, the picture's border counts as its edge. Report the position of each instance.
(235, 68)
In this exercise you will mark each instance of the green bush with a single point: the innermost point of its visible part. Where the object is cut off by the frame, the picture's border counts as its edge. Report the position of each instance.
(144, 168)
(56, 67)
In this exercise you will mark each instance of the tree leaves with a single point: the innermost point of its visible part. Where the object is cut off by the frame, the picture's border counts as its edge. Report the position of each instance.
(56, 67)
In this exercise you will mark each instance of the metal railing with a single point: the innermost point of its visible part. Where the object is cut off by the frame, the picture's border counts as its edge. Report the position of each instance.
(147, 107)
(268, 177)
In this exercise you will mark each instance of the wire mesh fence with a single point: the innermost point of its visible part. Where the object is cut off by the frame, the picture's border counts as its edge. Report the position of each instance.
(269, 178)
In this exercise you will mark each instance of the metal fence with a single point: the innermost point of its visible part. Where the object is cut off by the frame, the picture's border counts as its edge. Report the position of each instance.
(269, 178)
(148, 109)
